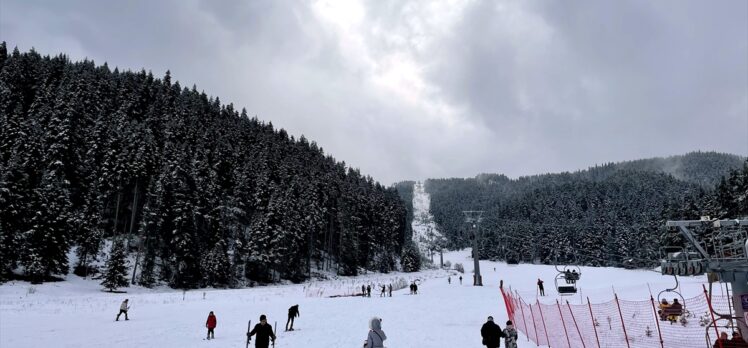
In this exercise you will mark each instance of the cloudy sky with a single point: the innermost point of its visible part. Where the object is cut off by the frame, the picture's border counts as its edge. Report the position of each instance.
(417, 89)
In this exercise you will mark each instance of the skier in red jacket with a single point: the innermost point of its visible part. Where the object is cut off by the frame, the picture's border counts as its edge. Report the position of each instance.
(211, 324)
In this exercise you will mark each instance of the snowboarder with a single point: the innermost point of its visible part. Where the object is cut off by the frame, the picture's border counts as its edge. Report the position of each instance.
(293, 312)
(384, 291)
(123, 308)
(449, 280)
(491, 334)
(540, 287)
(376, 336)
(368, 290)
(363, 290)
(211, 325)
(510, 335)
(264, 333)
(460, 280)
(390, 290)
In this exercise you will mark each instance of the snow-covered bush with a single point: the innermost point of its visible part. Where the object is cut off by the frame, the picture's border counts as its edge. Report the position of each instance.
(459, 268)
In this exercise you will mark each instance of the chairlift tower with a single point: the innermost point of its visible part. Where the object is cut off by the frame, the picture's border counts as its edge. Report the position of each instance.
(473, 218)
(719, 247)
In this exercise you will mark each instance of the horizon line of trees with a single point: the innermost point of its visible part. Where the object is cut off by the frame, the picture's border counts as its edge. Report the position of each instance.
(609, 215)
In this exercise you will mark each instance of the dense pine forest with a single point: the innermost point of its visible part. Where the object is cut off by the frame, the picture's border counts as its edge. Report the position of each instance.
(611, 214)
(176, 187)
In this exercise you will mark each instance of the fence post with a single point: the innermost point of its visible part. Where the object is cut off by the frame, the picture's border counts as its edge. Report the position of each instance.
(711, 311)
(563, 322)
(537, 339)
(575, 324)
(657, 320)
(542, 318)
(626, 335)
(527, 330)
(594, 327)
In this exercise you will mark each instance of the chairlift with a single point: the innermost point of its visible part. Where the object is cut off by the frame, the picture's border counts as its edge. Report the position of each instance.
(682, 312)
(564, 286)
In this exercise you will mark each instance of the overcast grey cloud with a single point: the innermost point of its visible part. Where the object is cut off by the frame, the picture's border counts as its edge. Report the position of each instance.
(418, 89)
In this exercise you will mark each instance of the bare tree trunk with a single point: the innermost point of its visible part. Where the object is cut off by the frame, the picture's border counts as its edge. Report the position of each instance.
(140, 238)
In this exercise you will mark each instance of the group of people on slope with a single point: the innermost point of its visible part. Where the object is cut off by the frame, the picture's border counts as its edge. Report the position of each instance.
(366, 290)
(492, 334)
(449, 279)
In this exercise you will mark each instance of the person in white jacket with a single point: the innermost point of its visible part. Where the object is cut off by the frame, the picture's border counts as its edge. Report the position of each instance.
(123, 309)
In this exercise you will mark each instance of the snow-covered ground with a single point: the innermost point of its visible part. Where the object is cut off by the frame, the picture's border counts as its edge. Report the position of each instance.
(424, 227)
(76, 313)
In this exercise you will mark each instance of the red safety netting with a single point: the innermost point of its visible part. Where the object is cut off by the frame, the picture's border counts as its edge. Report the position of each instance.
(616, 323)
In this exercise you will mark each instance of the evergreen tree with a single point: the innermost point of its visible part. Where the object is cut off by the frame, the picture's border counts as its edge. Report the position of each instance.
(115, 275)
(411, 258)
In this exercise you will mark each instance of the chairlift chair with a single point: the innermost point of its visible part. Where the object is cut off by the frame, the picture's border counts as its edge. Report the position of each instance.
(563, 287)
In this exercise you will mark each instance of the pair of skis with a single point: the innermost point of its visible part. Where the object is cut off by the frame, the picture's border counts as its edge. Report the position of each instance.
(249, 329)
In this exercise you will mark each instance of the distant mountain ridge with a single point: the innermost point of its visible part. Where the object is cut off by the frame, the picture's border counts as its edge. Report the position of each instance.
(615, 208)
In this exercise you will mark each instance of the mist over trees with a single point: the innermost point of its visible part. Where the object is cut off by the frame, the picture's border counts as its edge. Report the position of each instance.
(197, 192)
(613, 214)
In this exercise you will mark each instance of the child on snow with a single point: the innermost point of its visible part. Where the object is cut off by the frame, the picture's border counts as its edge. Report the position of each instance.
(211, 325)
(510, 335)
(376, 335)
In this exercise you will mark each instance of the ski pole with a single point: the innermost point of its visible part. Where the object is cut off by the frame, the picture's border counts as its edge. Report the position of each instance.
(275, 327)
(249, 338)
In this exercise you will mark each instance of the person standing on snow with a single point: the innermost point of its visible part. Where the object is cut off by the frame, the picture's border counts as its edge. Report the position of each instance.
(293, 312)
(376, 336)
(510, 335)
(449, 280)
(491, 334)
(264, 333)
(460, 280)
(363, 290)
(384, 291)
(390, 289)
(123, 308)
(211, 325)
(368, 291)
(540, 287)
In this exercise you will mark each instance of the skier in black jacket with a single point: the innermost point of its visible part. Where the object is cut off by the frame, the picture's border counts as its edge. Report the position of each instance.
(293, 312)
(491, 333)
(264, 333)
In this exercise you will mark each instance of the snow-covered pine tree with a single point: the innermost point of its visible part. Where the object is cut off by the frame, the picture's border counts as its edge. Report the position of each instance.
(411, 258)
(115, 275)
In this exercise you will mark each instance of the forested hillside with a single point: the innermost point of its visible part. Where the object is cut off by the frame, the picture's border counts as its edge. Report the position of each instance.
(606, 215)
(196, 191)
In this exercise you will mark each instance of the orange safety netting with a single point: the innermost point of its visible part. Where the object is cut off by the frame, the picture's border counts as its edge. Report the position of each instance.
(616, 323)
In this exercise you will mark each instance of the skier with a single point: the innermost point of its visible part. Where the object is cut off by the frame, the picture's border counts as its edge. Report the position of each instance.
(368, 290)
(449, 280)
(722, 341)
(675, 311)
(540, 287)
(737, 340)
(510, 335)
(376, 336)
(363, 290)
(123, 308)
(460, 280)
(491, 334)
(211, 325)
(384, 291)
(293, 312)
(390, 290)
(567, 276)
(663, 311)
(264, 333)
